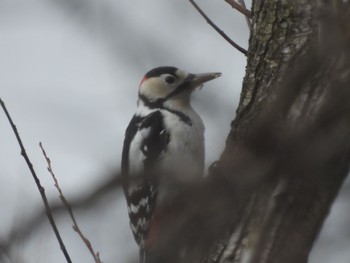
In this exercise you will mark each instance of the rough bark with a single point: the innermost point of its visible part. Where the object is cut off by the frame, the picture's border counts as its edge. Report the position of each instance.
(288, 150)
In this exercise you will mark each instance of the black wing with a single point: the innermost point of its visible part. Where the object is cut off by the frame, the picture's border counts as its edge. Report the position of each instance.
(130, 132)
(141, 189)
(155, 143)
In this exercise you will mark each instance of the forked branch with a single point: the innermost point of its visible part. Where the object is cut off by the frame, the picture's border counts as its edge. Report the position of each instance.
(240, 7)
(249, 22)
(217, 29)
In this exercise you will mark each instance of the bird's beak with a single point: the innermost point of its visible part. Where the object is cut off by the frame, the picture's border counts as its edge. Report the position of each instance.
(196, 80)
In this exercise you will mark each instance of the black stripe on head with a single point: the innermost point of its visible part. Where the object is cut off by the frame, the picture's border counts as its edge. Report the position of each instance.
(161, 70)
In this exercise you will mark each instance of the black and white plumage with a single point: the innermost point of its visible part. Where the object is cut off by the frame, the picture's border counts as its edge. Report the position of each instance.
(163, 147)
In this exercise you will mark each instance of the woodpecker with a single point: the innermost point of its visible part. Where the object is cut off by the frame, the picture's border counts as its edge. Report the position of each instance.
(163, 148)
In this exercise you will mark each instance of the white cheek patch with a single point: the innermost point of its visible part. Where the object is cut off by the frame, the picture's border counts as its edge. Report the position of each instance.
(154, 88)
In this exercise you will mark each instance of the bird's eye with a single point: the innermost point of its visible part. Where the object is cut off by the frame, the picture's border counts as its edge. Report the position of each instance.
(169, 79)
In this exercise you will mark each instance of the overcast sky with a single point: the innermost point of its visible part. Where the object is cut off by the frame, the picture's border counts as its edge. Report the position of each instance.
(69, 74)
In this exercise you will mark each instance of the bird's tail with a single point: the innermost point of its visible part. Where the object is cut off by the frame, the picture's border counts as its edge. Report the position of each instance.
(142, 255)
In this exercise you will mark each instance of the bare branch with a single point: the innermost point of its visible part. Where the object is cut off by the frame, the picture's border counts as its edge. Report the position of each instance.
(24, 229)
(76, 228)
(37, 181)
(249, 23)
(222, 33)
(240, 7)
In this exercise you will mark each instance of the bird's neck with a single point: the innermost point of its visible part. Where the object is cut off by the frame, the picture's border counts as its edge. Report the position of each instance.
(180, 108)
(179, 103)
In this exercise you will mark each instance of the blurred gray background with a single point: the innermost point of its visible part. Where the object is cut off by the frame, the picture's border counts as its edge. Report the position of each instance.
(69, 75)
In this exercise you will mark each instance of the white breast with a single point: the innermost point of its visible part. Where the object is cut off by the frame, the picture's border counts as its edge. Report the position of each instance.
(185, 151)
(183, 161)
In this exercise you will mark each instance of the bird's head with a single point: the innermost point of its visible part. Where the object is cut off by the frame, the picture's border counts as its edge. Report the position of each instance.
(170, 84)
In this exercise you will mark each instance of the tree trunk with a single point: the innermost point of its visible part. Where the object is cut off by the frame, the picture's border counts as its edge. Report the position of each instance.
(288, 150)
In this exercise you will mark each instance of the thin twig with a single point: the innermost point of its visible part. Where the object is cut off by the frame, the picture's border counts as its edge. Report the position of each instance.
(240, 7)
(25, 229)
(37, 181)
(247, 18)
(227, 38)
(76, 228)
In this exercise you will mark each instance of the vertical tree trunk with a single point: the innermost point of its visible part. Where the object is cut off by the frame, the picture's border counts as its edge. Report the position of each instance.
(288, 150)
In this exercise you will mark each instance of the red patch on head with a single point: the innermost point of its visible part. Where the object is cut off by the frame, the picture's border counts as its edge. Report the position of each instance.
(144, 78)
